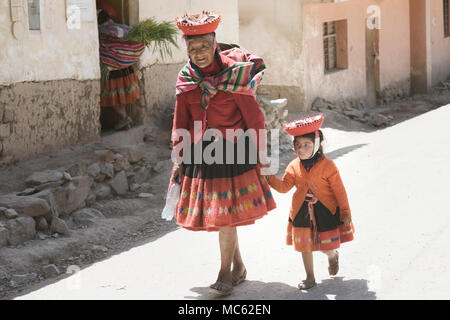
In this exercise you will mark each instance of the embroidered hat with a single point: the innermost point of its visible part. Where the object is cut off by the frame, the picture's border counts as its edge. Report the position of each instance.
(196, 24)
(304, 125)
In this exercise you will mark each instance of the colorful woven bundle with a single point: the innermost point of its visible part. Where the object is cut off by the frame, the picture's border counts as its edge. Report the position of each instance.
(118, 53)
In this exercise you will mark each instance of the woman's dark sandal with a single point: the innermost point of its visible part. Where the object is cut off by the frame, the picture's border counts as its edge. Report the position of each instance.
(240, 279)
(226, 288)
(307, 284)
(333, 268)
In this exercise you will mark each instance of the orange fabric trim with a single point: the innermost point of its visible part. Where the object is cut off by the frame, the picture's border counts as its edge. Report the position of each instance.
(323, 179)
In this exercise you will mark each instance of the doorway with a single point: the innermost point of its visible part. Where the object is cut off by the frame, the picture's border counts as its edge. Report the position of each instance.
(372, 65)
(120, 97)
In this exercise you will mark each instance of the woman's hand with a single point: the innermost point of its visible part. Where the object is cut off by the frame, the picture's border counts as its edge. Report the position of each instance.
(347, 221)
(176, 174)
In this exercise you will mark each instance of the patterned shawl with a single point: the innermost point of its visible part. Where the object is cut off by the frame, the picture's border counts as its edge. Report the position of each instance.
(118, 53)
(243, 76)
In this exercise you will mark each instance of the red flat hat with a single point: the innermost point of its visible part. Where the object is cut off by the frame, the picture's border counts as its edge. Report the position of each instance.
(197, 24)
(304, 125)
(101, 4)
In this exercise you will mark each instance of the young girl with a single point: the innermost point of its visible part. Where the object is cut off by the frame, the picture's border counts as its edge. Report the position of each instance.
(319, 217)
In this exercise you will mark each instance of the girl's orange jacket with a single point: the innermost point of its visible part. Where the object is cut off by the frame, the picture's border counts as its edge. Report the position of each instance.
(324, 181)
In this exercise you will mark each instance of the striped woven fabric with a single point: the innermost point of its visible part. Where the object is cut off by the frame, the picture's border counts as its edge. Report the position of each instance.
(118, 53)
(243, 76)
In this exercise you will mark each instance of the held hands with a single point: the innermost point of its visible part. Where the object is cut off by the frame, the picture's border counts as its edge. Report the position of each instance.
(347, 221)
(267, 165)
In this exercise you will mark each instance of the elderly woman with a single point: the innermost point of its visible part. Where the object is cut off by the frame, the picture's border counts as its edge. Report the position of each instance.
(216, 88)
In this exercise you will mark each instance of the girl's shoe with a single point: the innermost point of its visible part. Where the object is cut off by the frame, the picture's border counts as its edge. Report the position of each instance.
(307, 284)
(333, 268)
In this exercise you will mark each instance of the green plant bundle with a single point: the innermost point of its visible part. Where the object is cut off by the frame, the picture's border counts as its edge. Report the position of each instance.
(158, 36)
(104, 73)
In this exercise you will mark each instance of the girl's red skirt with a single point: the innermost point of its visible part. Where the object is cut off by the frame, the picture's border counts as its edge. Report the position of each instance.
(331, 231)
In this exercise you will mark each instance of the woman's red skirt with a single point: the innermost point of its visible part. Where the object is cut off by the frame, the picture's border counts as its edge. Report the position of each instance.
(122, 88)
(215, 196)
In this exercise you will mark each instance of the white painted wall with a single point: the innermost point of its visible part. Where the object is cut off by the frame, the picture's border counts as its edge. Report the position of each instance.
(272, 30)
(52, 53)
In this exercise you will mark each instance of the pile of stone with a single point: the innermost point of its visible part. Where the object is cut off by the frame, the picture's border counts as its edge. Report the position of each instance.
(57, 201)
(443, 85)
(275, 113)
(352, 109)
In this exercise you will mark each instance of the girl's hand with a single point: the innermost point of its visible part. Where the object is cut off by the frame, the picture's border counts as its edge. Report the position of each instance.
(347, 221)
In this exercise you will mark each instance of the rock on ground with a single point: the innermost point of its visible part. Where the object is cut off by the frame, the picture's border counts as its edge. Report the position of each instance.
(59, 226)
(51, 270)
(120, 183)
(42, 177)
(20, 230)
(86, 216)
(28, 206)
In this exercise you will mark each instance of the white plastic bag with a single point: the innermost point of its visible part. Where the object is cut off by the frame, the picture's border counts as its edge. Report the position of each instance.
(171, 201)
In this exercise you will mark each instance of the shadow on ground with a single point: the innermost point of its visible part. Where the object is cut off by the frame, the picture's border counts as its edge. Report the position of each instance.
(343, 151)
(330, 289)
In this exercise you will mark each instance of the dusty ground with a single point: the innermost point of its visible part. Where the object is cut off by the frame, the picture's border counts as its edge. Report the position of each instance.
(132, 221)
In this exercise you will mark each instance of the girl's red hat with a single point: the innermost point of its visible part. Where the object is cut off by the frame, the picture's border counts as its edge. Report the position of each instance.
(304, 125)
(197, 24)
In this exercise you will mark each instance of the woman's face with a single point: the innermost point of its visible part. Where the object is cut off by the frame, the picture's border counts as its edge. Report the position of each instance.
(201, 52)
(304, 148)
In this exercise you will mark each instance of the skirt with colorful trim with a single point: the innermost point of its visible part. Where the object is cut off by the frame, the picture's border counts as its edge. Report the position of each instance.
(218, 195)
(330, 230)
(122, 88)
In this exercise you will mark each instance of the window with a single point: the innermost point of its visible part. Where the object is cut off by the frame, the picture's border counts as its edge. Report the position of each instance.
(34, 15)
(446, 19)
(335, 45)
(329, 45)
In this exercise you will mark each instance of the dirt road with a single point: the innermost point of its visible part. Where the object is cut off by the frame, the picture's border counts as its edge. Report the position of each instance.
(397, 182)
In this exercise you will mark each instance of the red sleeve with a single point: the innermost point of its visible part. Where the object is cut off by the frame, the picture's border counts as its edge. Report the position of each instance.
(181, 118)
(252, 114)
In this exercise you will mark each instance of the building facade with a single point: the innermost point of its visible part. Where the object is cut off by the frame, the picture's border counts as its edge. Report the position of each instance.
(371, 50)
(50, 75)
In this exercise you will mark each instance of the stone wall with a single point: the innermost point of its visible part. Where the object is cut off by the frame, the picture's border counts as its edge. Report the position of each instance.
(157, 87)
(395, 91)
(295, 95)
(41, 117)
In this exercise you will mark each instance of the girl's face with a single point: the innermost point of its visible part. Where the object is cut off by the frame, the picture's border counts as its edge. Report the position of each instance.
(201, 52)
(304, 148)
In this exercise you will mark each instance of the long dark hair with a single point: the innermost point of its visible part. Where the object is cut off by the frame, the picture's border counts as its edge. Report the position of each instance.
(312, 137)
